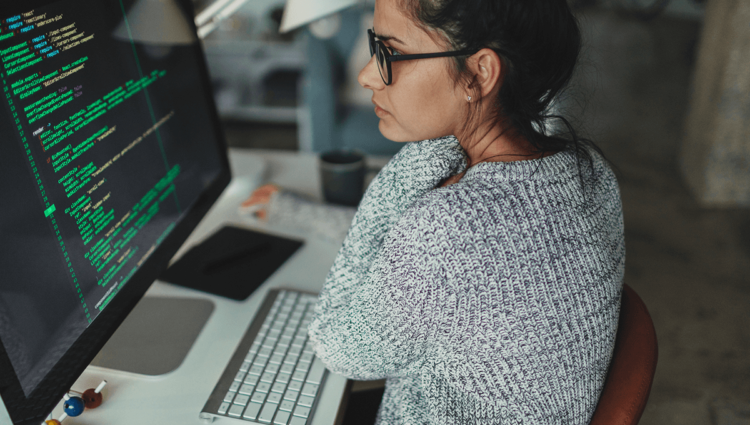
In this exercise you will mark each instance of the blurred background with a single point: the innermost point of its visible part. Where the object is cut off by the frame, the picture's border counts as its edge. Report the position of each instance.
(662, 87)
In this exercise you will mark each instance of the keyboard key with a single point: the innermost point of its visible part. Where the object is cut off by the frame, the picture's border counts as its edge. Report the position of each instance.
(278, 387)
(287, 368)
(276, 358)
(235, 386)
(260, 361)
(295, 385)
(316, 372)
(266, 415)
(310, 389)
(225, 406)
(252, 411)
(269, 343)
(273, 368)
(302, 411)
(239, 376)
(245, 366)
(303, 367)
(279, 351)
(298, 376)
(251, 379)
(264, 352)
(296, 420)
(267, 377)
(258, 397)
(286, 405)
(255, 370)
(282, 418)
(263, 387)
(247, 389)
(273, 334)
(273, 398)
(296, 349)
(241, 399)
(299, 340)
(229, 396)
(283, 378)
(236, 410)
(291, 358)
(307, 357)
(306, 401)
(291, 395)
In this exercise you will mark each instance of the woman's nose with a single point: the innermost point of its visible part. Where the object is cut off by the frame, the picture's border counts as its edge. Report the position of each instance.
(369, 76)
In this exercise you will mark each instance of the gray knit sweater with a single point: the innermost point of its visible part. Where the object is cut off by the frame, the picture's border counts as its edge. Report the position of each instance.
(490, 301)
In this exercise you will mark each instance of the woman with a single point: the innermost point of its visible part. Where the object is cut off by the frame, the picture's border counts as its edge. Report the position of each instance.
(481, 274)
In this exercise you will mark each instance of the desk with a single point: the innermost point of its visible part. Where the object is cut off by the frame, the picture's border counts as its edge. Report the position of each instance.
(178, 396)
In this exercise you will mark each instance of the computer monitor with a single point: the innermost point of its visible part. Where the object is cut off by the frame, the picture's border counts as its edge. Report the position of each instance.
(110, 153)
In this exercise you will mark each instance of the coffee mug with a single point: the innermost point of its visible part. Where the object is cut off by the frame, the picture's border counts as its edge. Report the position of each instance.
(342, 173)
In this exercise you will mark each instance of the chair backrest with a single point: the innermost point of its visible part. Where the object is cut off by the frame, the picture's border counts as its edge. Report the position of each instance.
(633, 365)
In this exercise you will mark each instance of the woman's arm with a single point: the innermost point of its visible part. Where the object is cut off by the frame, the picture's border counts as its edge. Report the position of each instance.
(392, 310)
(415, 170)
(353, 296)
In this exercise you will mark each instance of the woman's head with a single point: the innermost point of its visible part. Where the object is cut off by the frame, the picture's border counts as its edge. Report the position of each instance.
(527, 50)
(421, 101)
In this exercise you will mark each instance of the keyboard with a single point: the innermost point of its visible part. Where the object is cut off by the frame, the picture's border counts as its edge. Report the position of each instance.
(273, 377)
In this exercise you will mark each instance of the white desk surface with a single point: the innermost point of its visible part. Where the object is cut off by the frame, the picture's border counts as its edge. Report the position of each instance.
(178, 396)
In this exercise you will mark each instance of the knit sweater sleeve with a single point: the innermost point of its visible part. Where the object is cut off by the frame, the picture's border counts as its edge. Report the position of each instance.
(353, 331)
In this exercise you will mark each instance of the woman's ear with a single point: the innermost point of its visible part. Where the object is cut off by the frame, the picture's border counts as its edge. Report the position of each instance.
(488, 70)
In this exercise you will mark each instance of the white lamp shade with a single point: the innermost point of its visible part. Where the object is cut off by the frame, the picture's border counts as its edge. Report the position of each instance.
(159, 22)
(301, 12)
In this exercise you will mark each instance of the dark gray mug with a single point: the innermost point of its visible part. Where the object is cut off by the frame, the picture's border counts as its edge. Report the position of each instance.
(342, 173)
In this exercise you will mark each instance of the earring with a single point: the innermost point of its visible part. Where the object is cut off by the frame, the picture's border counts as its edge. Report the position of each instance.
(469, 98)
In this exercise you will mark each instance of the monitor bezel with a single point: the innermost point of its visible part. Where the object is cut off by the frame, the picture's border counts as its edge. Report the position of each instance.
(35, 408)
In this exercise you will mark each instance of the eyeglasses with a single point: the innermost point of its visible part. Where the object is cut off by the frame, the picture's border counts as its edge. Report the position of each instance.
(385, 57)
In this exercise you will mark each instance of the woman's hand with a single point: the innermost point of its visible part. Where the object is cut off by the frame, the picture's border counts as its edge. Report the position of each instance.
(257, 202)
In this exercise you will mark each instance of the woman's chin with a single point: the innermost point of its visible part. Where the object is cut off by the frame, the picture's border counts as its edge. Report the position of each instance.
(390, 133)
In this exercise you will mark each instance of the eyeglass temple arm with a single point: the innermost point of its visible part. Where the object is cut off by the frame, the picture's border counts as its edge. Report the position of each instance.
(431, 55)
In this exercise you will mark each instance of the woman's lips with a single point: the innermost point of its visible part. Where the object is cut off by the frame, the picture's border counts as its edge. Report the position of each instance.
(380, 112)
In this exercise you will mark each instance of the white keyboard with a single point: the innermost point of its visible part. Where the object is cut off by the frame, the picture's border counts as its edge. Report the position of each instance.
(273, 376)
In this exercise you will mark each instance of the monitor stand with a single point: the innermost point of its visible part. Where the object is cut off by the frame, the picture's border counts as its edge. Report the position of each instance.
(156, 336)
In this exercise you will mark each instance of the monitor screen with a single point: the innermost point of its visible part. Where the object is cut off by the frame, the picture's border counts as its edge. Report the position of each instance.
(110, 152)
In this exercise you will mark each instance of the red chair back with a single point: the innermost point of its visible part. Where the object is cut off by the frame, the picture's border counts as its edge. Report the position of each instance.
(633, 365)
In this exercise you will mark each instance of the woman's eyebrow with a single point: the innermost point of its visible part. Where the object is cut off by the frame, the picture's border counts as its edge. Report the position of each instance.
(388, 38)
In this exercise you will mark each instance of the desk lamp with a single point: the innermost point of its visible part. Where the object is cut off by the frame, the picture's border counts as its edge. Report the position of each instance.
(296, 13)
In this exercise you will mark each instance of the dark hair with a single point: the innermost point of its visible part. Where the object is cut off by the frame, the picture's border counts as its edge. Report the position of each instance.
(538, 42)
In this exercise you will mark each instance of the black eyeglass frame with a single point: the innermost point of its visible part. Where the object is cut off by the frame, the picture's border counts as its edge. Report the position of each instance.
(377, 45)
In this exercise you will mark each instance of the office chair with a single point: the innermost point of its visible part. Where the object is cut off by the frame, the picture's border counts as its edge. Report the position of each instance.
(633, 365)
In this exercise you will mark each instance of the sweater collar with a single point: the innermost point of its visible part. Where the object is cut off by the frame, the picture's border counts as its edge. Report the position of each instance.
(556, 166)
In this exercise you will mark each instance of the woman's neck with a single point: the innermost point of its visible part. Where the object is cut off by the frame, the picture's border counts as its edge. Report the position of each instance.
(495, 143)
